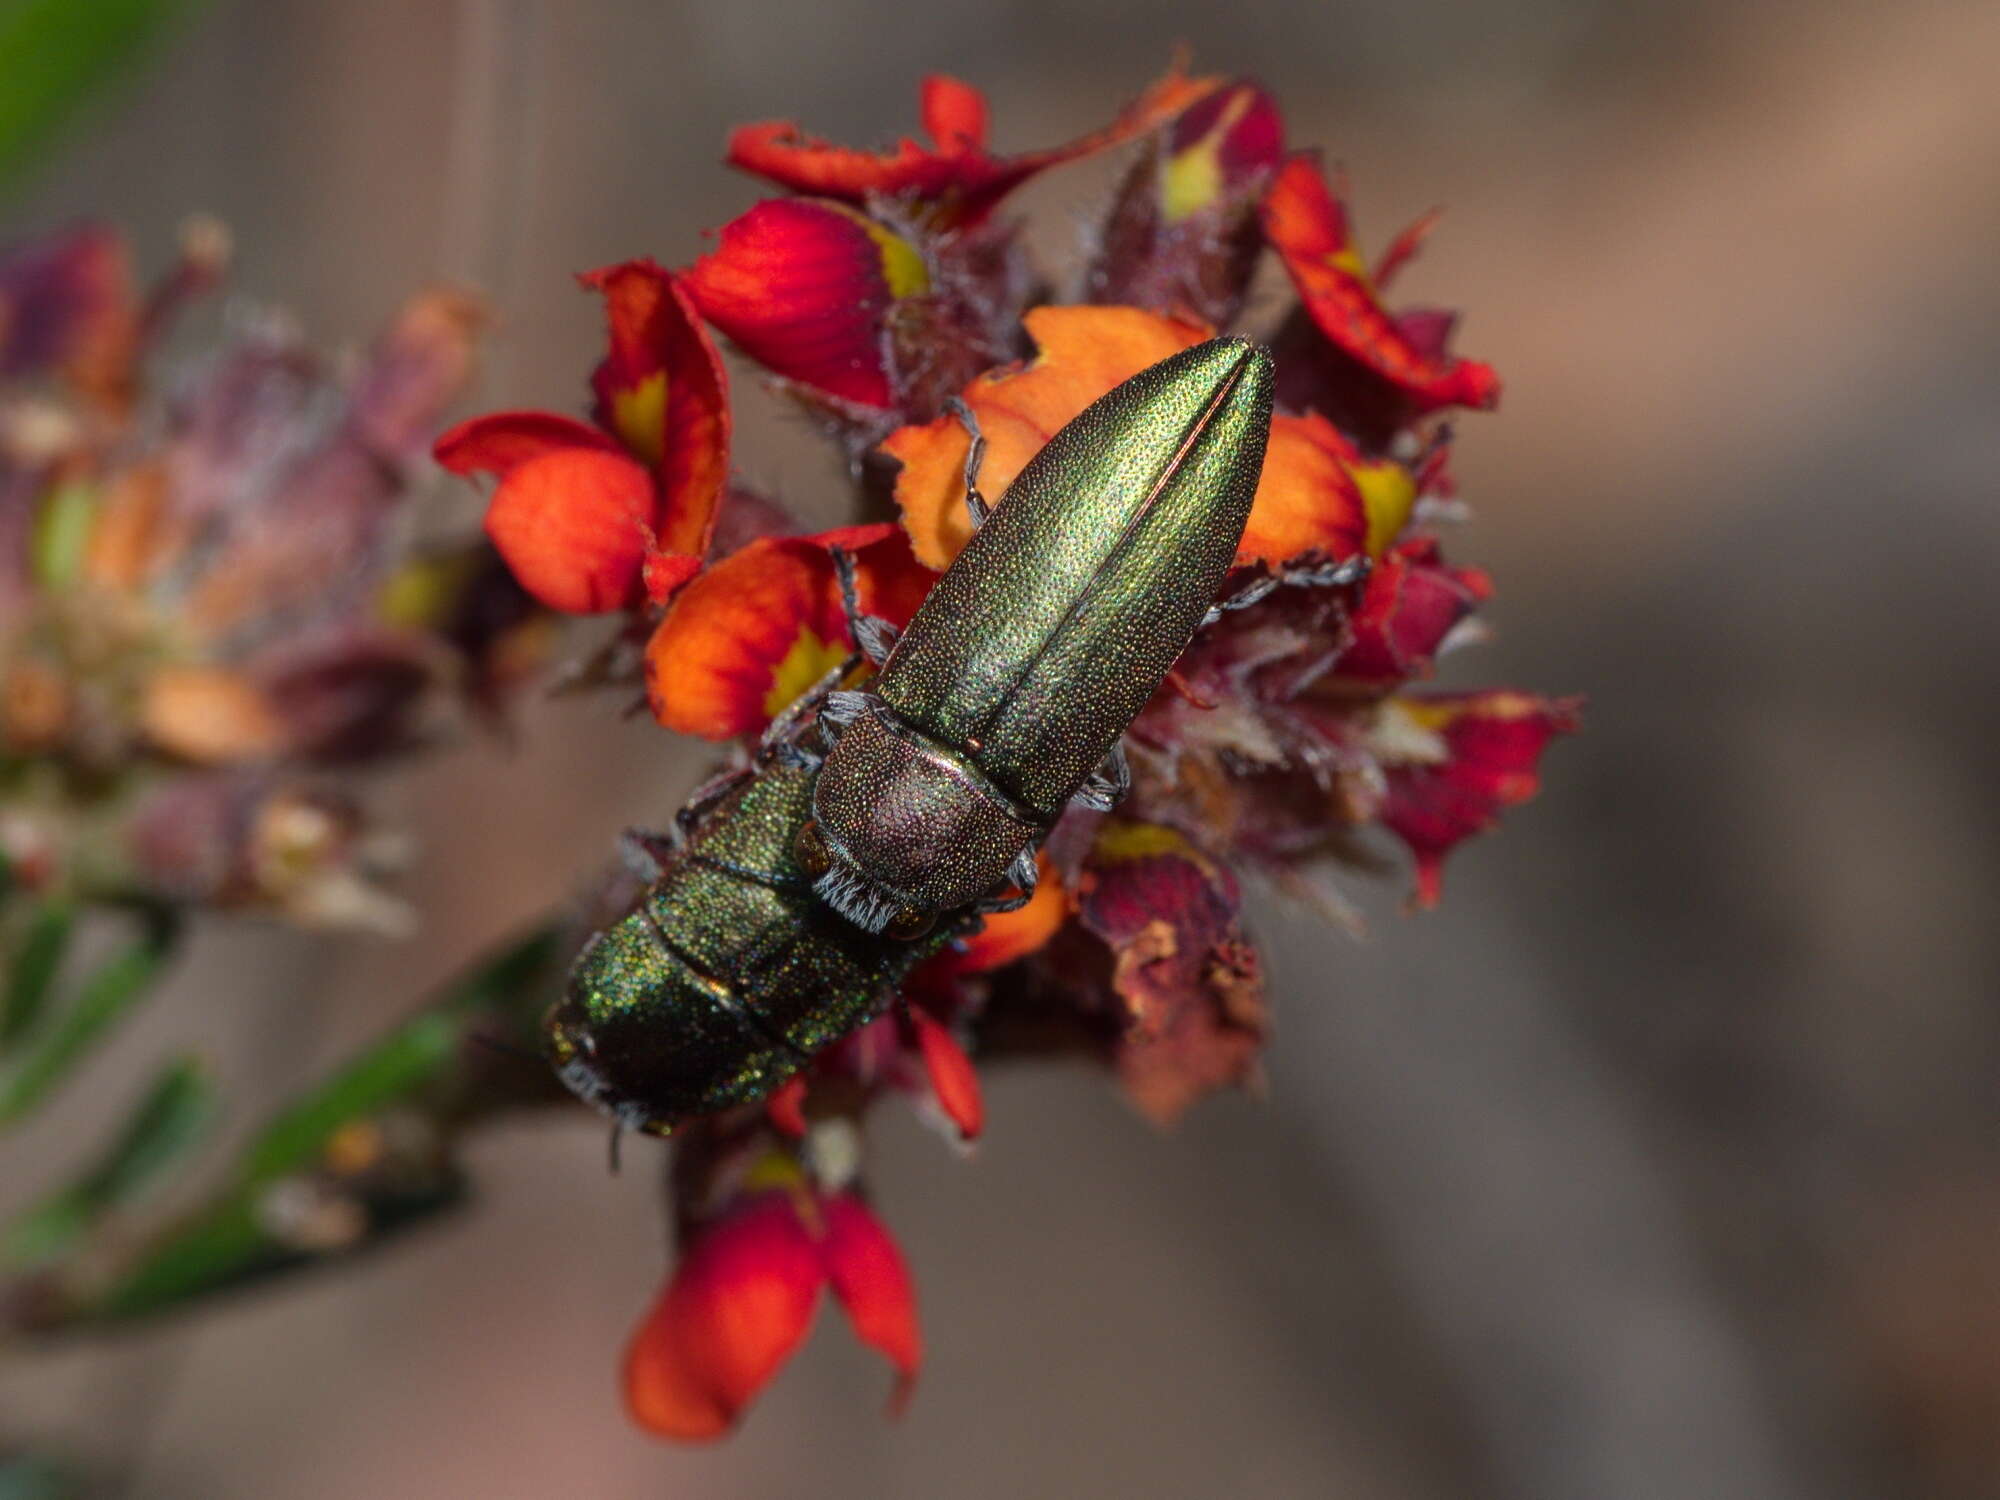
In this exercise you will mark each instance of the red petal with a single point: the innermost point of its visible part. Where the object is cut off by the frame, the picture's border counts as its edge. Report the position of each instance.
(954, 114)
(873, 1283)
(802, 286)
(1403, 249)
(786, 1107)
(68, 304)
(499, 441)
(959, 179)
(953, 1080)
(764, 624)
(740, 1301)
(572, 525)
(1493, 743)
(663, 391)
(1190, 982)
(1411, 603)
(1218, 146)
(1308, 227)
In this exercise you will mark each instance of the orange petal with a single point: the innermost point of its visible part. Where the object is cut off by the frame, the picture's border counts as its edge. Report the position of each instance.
(211, 715)
(501, 441)
(739, 1302)
(1312, 496)
(958, 180)
(1307, 500)
(663, 391)
(1009, 935)
(1489, 748)
(1083, 352)
(954, 1082)
(870, 1278)
(802, 286)
(1308, 227)
(745, 638)
(764, 624)
(573, 526)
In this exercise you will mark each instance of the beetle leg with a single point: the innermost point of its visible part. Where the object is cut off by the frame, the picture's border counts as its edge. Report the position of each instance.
(975, 503)
(1104, 788)
(873, 636)
(782, 739)
(1310, 576)
(1023, 874)
(1328, 575)
(1243, 598)
(843, 708)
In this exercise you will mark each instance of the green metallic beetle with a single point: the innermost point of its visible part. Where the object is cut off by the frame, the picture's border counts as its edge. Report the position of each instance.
(1013, 682)
(1005, 698)
(729, 974)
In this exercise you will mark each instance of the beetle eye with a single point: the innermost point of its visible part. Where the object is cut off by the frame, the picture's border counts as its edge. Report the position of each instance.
(909, 924)
(810, 851)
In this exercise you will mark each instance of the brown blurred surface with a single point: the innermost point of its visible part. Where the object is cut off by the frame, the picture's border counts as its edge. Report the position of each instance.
(1660, 1162)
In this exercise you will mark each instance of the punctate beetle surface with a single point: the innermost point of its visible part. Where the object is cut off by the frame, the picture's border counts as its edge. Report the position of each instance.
(1005, 697)
(729, 973)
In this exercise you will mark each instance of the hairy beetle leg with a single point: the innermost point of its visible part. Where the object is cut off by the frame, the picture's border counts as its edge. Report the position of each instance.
(873, 636)
(975, 454)
(1023, 874)
(782, 737)
(1106, 787)
(1311, 576)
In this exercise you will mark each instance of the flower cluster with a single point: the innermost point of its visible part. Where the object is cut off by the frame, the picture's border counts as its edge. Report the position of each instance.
(209, 608)
(882, 286)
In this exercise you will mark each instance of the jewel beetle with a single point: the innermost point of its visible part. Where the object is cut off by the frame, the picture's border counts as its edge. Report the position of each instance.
(1006, 695)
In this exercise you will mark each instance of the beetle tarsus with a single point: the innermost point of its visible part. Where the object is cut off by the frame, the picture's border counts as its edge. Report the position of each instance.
(1106, 787)
(975, 503)
(873, 636)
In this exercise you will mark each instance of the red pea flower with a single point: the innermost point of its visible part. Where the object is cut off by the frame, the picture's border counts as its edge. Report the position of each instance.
(956, 180)
(804, 286)
(743, 1296)
(1182, 233)
(1487, 749)
(766, 623)
(596, 516)
(1307, 225)
(888, 289)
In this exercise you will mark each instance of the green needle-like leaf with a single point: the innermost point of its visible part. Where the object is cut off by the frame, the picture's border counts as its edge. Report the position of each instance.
(55, 54)
(53, 1050)
(170, 1119)
(357, 1158)
(32, 972)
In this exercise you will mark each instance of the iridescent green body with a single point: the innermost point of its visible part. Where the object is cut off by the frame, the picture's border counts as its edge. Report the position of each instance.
(1044, 639)
(726, 977)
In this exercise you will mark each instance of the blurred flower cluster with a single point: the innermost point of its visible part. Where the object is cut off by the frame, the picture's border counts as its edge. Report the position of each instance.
(881, 286)
(214, 605)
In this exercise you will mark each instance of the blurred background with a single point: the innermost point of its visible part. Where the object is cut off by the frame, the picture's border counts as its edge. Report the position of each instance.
(1660, 1161)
